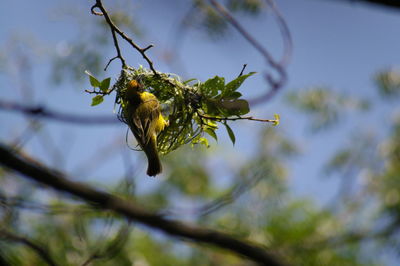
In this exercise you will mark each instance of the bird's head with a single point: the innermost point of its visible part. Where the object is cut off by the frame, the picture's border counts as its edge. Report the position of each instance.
(135, 86)
(133, 89)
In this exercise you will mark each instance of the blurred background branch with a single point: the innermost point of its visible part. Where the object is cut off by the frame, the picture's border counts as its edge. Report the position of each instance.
(107, 201)
(46, 113)
(39, 249)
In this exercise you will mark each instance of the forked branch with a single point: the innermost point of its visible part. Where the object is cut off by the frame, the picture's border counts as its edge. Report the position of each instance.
(114, 30)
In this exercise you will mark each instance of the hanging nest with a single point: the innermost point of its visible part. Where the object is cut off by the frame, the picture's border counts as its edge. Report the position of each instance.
(191, 107)
(180, 103)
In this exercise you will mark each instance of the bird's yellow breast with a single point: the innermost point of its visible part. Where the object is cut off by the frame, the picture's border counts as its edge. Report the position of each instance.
(150, 104)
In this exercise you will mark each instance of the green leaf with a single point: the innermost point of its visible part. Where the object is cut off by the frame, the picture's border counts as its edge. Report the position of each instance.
(105, 84)
(211, 106)
(213, 85)
(235, 107)
(236, 83)
(204, 141)
(230, 133)
(188, 81)
(211, 123)
(93, 81)
(234, 95)
(98, 99)
(277, 120)
(211, 132)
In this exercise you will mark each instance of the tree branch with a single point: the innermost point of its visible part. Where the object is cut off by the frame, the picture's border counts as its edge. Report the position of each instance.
(106, 201)
(220, 119)
(115, 29)
(43, 112)
(35, 247)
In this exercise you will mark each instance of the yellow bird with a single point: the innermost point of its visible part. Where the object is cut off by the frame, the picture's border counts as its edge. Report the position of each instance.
(143, 115)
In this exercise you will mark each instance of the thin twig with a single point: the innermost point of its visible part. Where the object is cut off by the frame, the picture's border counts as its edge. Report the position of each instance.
(109, 62)
(114, 29)
(241, 72)
(236, 118)
(100, 92)
(119, 55)
(116, 45)
(128, 209)
(42, 252)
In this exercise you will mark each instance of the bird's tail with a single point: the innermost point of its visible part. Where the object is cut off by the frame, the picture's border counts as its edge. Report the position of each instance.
(154, 164)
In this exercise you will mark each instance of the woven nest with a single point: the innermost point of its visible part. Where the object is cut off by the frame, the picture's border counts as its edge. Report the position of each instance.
(179, 103)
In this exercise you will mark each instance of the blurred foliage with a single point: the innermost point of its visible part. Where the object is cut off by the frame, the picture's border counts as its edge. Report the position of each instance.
(73, 60)
(251, 7)
(388, 83)
(196, 181)
(325, 106)
(293, 227)
(207, 19)
(210, 20)
(389, 187)
(361, 151)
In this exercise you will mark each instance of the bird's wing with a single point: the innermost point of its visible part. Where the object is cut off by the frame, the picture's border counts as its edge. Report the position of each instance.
(138, 130)
(145, 118)
(152, 107)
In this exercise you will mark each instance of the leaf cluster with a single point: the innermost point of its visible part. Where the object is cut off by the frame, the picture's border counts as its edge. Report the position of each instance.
(102, 86)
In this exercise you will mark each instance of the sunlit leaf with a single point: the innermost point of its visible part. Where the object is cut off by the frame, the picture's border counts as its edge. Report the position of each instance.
(236, 83)
(213, 85)
(204, 141)
(188, 81)
(277, 119)
(93, 81)
(105, 84)
(98, 99)
(211, 132)
(211, 123)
